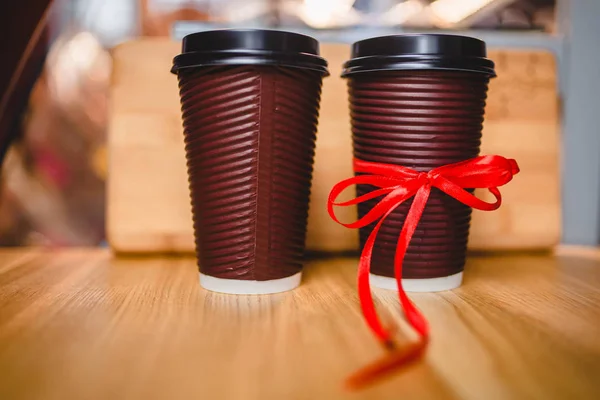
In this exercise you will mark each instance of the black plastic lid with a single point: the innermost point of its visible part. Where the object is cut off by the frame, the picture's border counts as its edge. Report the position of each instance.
(250, 47)
(419, 52)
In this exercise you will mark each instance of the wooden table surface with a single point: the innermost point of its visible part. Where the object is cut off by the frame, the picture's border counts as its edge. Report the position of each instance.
(80, 324)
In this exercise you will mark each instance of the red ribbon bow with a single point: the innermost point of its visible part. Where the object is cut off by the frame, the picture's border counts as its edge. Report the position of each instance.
(399, 184)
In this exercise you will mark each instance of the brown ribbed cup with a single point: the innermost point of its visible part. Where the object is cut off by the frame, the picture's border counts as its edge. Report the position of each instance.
(249, 141)
(421, 120)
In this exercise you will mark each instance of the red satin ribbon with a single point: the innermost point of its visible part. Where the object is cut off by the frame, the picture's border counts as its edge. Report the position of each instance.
(398, 184)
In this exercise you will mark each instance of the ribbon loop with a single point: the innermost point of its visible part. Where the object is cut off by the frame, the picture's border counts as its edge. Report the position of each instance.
(397, 184)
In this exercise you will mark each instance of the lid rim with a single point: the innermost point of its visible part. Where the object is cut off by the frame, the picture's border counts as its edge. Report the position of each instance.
(350, 73)
(250, 57)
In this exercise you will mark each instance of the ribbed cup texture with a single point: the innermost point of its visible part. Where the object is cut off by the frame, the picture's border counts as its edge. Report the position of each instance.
(249, 141)
(421, 120)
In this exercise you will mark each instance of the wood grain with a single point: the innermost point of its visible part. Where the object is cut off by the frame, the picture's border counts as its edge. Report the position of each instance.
(148, 198)
(81, 324)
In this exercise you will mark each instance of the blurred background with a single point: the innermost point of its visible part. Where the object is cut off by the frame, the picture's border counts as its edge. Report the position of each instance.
(53, 189)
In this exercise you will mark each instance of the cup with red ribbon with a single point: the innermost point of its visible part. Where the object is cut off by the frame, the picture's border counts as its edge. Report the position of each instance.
(417, 104)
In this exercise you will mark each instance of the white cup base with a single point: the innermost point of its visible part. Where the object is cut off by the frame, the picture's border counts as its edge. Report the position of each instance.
(418, 285)
(237, 286)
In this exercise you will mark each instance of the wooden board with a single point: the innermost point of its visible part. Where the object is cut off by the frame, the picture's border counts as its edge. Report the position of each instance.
(148, 200)
(81, 325)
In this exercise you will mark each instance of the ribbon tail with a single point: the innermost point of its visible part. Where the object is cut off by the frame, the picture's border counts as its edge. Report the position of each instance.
(412, 313)
(364, 288)
(398, 357)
